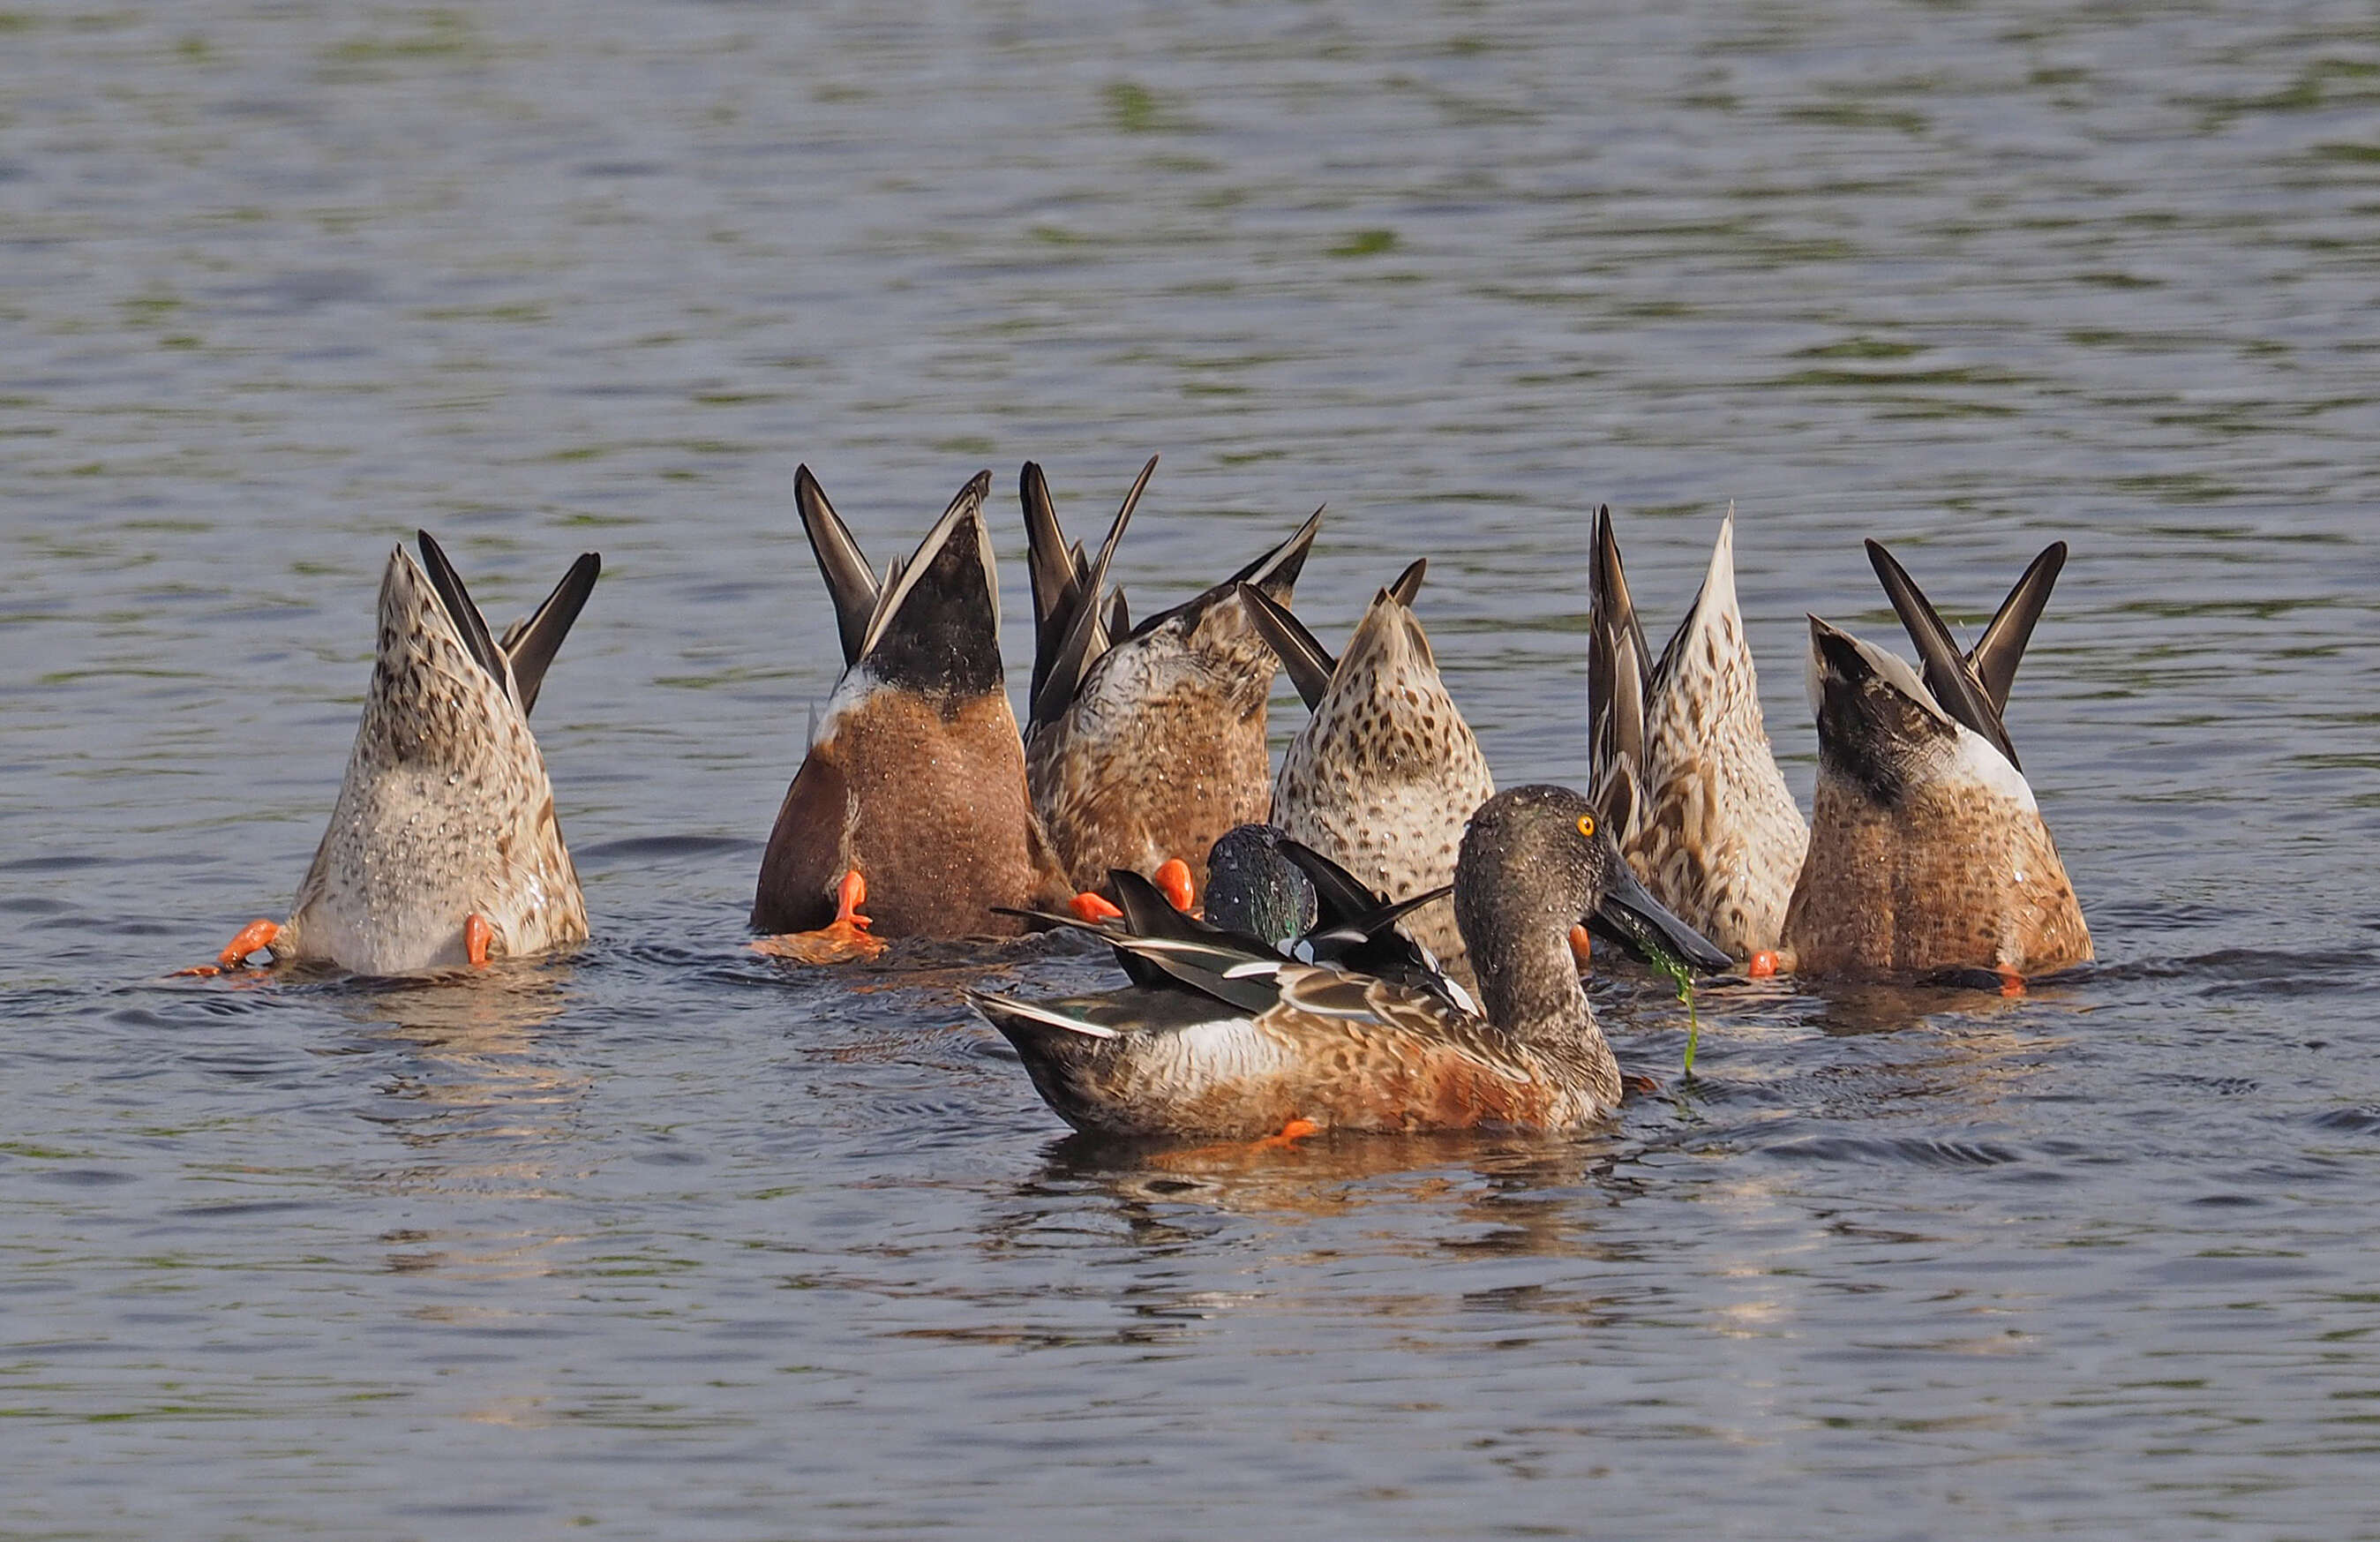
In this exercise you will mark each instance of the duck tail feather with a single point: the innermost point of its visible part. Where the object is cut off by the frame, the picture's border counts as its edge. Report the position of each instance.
(1047, 560)
(1618, 667)
(1276, 572)
(1006, 1013)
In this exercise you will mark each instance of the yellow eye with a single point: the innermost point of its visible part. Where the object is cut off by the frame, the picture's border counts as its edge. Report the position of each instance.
(1587, 825)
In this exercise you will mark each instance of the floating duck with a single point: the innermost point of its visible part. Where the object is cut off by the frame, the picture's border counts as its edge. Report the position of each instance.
(1385, 771)
(1927, 851)
(1222, 1037)
(442, 849)
(1143, 744)
(915, 777)
(1681, 762)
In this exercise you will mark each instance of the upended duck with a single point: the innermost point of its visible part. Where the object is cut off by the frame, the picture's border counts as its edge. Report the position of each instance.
(911, 796)
(1144, 744)
(1680, 759)
(1927, 851)
(1385, 771)
(1225, 1039)
(442, 849)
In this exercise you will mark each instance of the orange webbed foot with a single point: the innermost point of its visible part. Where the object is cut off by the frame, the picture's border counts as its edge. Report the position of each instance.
(1291, 1134)
(2011, 983)
(1240, 1150)
(1763, 963)
(839, 941)
(478, 937)
(1094, 908)
(253, 938)
(1172, 880)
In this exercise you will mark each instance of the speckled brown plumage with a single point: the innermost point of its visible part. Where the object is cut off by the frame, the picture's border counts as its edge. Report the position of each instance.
(927, 804)
(1163, 750)
(1224, 1038)
(1385, 771)
(1151, 745)
(445, 810)
(915, 774)
(1709, 824)
(1954, 877)
(1927, 851)
(1397, 1063)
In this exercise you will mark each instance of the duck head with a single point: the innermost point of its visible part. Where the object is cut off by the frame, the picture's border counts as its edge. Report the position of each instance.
(1536, 861)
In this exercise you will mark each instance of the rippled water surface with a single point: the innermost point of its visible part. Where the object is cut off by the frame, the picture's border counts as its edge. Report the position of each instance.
(662, 1240)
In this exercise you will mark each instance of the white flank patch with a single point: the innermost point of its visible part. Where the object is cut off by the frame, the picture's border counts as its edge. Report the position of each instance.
(1226, 1048)
(855, 686)
(1975, 760)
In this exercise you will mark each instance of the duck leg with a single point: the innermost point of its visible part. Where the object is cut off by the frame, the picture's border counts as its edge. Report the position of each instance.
(477, 934)
(842, 938)
(1092, 907)
(1173, 880)
(255, 936)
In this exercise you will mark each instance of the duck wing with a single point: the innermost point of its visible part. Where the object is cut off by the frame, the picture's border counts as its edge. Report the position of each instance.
(1973, 687)
(531, 642)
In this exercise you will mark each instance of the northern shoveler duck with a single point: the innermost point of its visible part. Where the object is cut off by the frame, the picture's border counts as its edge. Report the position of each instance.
(1220, 1037)
(442, 849)
(1927, 851)
(1143, 744)
(1680, 760)
(915, 778)
(1385, 771)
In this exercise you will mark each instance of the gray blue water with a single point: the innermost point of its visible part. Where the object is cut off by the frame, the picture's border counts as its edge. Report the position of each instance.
(659, 1240)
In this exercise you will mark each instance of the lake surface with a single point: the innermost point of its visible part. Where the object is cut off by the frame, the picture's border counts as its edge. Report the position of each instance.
(662, 1240)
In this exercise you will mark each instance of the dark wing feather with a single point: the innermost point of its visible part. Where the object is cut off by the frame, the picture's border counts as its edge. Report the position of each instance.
(457, 600)
(530, 643)
(1308, 662)
(1954, 685)
(1276, 572)
(849, 582)
(1046, 561)
(1618, 681)
(2001, 648)
(1059, 672)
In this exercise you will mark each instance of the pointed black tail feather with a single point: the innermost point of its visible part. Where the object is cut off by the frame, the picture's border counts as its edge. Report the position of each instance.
(1062, 655)
(1618, 680)
(850, 583)
(531, 643)
(1947, 675)
(1308, 662)
(456, 601)
(2001, 648)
